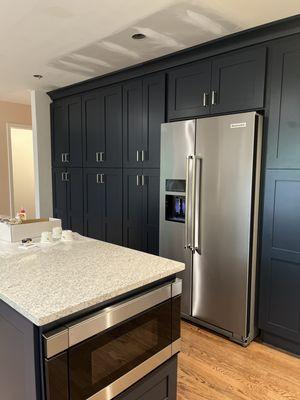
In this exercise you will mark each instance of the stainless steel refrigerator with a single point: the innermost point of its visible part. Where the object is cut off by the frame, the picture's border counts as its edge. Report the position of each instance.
(209, 203)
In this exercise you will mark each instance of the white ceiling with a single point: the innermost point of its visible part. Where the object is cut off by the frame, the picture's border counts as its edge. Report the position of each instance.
(68, 41)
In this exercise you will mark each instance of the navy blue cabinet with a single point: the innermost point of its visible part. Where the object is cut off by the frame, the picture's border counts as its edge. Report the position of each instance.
(141, 209)
(66, 132)
(284, 113)
(102, 128)
(280, 264)
(68, 197)
(144, 112)
(103, 204)
(228, 83)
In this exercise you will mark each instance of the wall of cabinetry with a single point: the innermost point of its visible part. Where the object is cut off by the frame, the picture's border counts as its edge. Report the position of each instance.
(106, 152)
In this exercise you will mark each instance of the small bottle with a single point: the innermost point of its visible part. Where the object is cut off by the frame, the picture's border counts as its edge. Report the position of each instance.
(22, 214)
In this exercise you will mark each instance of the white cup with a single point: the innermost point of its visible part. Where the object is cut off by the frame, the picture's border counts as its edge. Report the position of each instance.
(57, 232)
(46, 237)
(67, 235)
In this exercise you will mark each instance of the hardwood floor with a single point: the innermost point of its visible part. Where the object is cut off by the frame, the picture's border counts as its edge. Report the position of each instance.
(213, 368)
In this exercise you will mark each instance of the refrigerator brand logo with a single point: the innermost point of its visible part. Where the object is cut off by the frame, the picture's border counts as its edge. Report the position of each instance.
(238, 125)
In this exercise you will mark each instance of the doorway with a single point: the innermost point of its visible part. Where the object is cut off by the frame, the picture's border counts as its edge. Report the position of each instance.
(21, 169)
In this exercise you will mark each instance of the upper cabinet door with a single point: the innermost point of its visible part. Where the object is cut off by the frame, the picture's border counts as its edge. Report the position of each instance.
(93, 125)
(189, 90)
(67, 132)
(153, 117)
(238, 81)
(132, 123)
(284, 118)
(102, 128)
(103, 204)
(59, 128)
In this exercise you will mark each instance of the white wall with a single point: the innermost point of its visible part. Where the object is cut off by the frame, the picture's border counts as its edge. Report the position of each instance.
(40, 107)
(22, 171)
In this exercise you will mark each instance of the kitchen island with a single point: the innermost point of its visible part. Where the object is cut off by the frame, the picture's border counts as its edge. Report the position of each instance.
(87, 320)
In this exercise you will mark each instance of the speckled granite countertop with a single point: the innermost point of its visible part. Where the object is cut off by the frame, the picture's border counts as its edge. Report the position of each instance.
(49, 282)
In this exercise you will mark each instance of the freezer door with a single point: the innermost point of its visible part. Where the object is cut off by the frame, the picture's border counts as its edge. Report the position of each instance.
(177, 143)
(223, 187)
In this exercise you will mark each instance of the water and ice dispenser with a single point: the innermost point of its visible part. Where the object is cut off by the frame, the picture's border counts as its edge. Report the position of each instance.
(174, 200)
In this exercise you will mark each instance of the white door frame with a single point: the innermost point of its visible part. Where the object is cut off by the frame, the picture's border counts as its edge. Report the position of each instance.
(9, 126)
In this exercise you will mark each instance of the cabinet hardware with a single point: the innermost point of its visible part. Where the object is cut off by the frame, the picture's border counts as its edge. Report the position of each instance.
(137, 180)
(99, 156)
(63, 176)
(205, 99)
(143, 180)
(213, 98)
(62, 157)
(100, 178)
(67, 157)
(137, 156)
(143, 155)
(66, 176)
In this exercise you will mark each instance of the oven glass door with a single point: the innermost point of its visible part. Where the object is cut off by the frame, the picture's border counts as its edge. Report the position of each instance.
(99, 361)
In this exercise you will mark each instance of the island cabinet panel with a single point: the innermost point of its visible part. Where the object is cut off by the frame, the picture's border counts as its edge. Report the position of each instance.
(144, 112)
(66, 132)
(103, 204)
(280, 265)
(68, 197)
(161, 384)
(141, 209)
(102, 127)
(18, 377)
(238, 81)
(189, 90)
(228, 83)
(284, 115)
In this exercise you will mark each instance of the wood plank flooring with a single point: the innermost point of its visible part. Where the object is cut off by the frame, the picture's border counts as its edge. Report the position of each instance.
(213, 368)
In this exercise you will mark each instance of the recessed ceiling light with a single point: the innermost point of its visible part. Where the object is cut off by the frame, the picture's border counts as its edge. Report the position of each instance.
(37, 76)
(138, 36)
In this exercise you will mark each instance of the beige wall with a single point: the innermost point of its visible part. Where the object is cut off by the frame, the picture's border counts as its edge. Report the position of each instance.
(15, 114)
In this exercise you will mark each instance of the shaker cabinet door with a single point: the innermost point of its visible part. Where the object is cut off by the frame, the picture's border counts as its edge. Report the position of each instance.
(102, 128)
(151, 211)
(238, 81)
(284, 117)
(280, 264)
(60, 207)
(103, 204)
(189, 90)
(153, 117)
(132, 123)
(92, 121)
(75, 199)
(132, 208)
(66, 132)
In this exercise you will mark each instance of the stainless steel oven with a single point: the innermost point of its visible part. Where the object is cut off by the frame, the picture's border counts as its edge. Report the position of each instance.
(100, 356)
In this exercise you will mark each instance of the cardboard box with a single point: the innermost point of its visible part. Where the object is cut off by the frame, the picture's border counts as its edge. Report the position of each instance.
(31, 228)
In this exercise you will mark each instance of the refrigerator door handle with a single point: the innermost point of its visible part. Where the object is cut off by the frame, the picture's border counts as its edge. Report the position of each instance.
(188, 230)
(197, 178)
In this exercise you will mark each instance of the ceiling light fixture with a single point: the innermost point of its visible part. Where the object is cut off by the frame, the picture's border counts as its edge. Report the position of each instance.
(138, 36)
(37, 76)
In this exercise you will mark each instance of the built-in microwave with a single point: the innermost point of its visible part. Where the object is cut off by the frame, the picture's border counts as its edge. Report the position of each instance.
(100, 356)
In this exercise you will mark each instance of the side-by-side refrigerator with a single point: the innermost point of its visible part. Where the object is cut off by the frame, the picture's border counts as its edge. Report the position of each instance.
(209, 205)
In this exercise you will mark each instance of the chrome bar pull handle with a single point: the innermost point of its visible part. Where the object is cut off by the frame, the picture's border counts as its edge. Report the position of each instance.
(97, 156)
(213, 98)
(198, 165)
(67, 157)
(143, 180)
(100, 178)
(137, 156)
(137, 180)
(205, 99)
(143, 155)
(63, 176)
(66, 176)
(62, 157)
(101, 156)
(187, 244)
